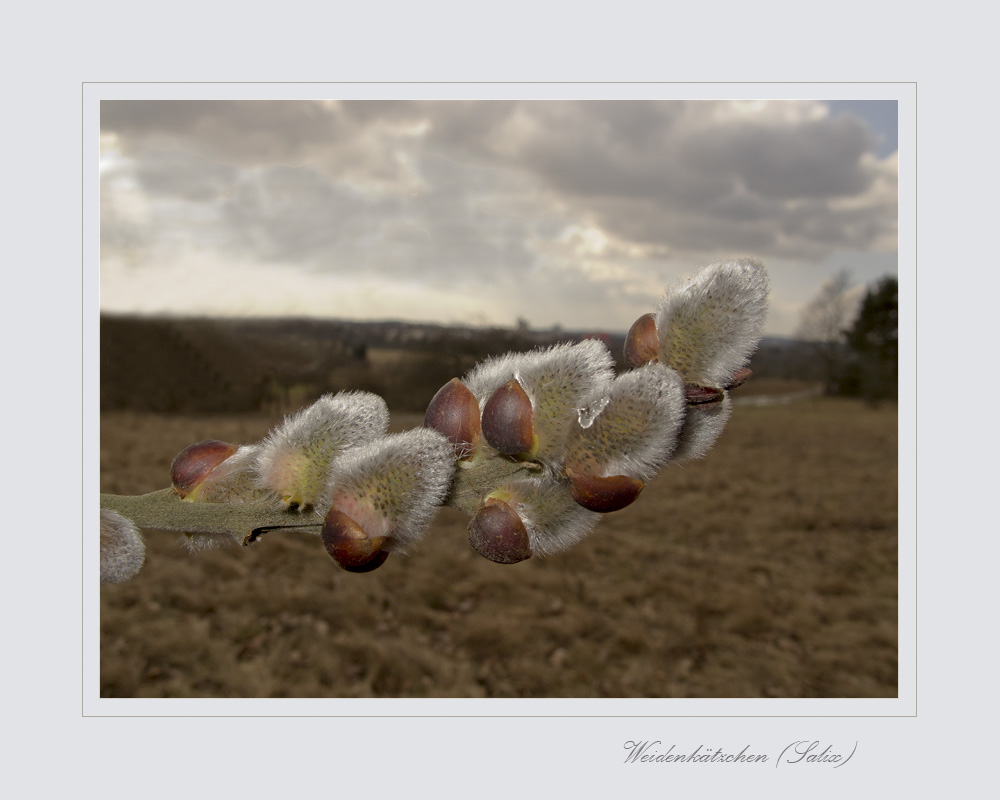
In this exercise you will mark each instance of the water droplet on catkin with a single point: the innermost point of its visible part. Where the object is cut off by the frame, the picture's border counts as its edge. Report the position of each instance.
(586, 416)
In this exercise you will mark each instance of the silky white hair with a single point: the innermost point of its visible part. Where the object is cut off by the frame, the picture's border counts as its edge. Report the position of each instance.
(558, 380)
(123, 550)
(553, 519)
(632, 430)
(709, 326)
(295, 458)
(404, 475)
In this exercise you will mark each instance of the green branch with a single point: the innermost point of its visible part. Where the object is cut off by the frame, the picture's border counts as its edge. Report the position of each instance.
(247, 522)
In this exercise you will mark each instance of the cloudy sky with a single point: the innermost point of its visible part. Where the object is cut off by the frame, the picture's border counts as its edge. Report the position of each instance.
(576, 213)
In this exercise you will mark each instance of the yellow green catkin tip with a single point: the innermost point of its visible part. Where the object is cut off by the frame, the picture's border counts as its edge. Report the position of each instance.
(709, 326)
(295, 459)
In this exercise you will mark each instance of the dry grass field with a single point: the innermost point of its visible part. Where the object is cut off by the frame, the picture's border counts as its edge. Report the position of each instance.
(768, 569)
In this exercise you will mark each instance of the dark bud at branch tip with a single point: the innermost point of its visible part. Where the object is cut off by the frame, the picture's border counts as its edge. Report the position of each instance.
(498, 534)
(508, 420)
(740, 377)
(349, 545)
(604, 495)
(702, 395)
(454, 412)
(372, 565)
(642, 343)
(192, 464)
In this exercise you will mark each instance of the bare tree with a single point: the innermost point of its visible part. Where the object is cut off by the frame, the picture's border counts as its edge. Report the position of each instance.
(825, 322)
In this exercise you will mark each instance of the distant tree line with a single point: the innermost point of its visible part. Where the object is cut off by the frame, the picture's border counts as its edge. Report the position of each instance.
(858, 352)
(202, 365)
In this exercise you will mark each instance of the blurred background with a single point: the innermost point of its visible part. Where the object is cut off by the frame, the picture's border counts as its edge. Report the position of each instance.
(255, 255)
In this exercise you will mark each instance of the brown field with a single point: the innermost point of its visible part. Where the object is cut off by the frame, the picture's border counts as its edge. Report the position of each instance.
(768, 569)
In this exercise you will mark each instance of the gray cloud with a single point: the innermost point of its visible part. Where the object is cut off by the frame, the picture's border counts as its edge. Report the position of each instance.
(477, 193)
(746, 178)
(611, 149)
(287, 214)
(809, 222)
(249, 131)
(298, 215)
(166, 173)
(820, 158)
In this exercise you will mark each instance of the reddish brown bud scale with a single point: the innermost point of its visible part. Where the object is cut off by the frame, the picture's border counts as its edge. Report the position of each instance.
(740, 377)
(369, 566)
(702, 395)
(454, 412)
(349, 545)
(642, 343)
(606, 494)
(508, 420)
(193, 464)
(498, 533)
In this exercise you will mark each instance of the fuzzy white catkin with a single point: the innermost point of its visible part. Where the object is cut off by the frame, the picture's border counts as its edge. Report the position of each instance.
(558, 380)
(123, 550)
(703, 424)
(489, 375)
(553, 519)
(404, 475)
(709, 326)
(558, 383)
(295, 458)
(635, 431)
